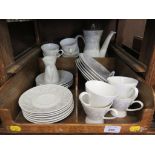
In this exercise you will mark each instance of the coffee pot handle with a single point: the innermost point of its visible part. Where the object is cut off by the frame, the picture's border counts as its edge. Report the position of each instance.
(136, 101)
(80, 36)
(112, 117)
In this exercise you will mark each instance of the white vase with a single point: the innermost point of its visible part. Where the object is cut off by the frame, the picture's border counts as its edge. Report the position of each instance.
(51, 72)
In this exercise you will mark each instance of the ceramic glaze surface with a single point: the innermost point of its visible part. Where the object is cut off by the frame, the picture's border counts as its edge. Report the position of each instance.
(95, 68)
(60, 94)
(92, 43)
(70, 46)
(93, 114)
(65, 78)
(51, 73)
(100, 93)
(51, 49)
(92, 40)
(125, 85)
(122, 105)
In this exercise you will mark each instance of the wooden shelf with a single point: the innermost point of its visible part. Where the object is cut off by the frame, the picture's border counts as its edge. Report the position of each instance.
(135, 123)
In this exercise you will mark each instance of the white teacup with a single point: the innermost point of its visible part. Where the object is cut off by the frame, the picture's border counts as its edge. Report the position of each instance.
(95, 115)
(51, 49)
(125, 85)
(122, 105)
(70, 46)
(100, 94)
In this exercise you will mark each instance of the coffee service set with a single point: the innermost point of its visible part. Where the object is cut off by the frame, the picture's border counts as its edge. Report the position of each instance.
(104, 92)
(69, 46)
(52, 51)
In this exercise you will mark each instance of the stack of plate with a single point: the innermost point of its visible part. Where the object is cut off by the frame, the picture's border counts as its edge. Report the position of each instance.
(66, 79)
(91, 69)
(46, 104)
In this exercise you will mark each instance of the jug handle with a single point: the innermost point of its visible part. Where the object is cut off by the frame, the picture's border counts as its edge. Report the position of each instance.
(80, 36)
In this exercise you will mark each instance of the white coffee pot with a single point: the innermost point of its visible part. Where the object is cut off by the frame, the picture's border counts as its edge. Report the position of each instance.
(92, 42)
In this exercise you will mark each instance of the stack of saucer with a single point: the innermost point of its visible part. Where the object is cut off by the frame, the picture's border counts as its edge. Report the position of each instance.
(76, 54)
(66, 79)
(46, 104)
(91, 69)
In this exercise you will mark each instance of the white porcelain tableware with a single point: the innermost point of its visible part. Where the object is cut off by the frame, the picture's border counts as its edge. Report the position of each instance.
(84, 72)
(125, 85)
(95, 68)
(65, 78)
(89, 71)
(51, 49)
(122, 105)
(49, 114)
(51, 73)
(70, 46)
(50, 120)
(45, 99)
(92, 43)
(100, 93)
(95, 115)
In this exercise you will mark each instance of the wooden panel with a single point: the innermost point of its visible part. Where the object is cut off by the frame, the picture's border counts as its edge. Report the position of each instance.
(147, 54)
(148, 42)
(22, 61)
(137, 43)
(6, 56)
(128, 28)
(150, 75)
(18, 83)
(3, 75)
(131, 51)
(120, 31)
(5, 44)
(137, 66)
(75, 124)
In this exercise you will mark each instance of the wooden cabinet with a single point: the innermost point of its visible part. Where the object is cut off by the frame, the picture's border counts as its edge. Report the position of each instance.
(23, 64)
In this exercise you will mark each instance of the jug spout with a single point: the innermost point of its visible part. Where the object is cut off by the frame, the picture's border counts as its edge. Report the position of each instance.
(105, 45)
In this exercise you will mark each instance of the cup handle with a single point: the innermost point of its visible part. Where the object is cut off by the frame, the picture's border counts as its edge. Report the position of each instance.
(60, 54)
(113, 117)
(135, 94)
(80, 36)
(136, 101)
(81, 96)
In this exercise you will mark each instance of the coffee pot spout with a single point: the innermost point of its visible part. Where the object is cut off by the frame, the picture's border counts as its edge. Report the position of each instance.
(105, 45)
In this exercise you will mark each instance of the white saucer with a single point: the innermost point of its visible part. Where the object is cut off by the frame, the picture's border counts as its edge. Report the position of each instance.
(65, 78)
(61, 97)
(84, 73)
(76, 54)
(53, 120)
(95, 67)
(48, 117)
